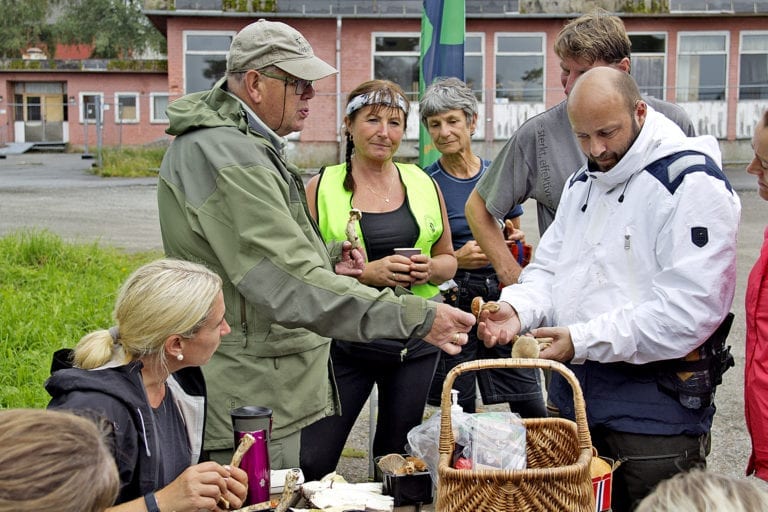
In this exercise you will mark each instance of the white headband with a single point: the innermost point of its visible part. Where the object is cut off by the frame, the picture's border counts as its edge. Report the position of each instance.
(376, 98)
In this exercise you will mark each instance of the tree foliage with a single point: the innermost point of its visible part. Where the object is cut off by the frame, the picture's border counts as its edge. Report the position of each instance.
(23, 24)
(114, 28)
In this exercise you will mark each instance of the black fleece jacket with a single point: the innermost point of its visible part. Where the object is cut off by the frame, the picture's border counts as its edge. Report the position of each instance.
(117, 395)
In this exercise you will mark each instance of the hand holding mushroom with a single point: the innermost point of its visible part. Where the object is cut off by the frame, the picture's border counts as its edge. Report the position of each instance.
(352, 261)
(497, 322)
(561, 349)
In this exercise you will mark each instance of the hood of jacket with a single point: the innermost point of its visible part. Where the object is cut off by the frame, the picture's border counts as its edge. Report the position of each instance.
(658, 138)
(115, 394)
(213, 108)
(123, 383)
(216, 108)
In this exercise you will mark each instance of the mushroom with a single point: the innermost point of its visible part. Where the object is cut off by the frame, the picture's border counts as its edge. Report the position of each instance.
(528, 347)
(478, 305)
(351, 230)
(245, 444)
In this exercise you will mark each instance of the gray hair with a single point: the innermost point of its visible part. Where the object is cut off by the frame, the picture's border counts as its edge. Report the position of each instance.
(446, 94)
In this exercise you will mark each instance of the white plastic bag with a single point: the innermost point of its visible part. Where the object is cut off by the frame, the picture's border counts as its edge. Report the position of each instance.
(424, 440)
(497, 441)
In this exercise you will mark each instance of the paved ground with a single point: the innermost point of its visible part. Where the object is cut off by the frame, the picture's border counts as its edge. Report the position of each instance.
(55, 192)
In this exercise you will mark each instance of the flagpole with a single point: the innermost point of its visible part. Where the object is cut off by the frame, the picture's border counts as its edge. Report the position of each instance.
(442, 55)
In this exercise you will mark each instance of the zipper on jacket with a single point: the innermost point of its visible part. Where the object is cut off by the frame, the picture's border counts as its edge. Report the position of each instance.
(243, 318)
(156, 459)
(144, 433)
(634, 294)
(403, 354)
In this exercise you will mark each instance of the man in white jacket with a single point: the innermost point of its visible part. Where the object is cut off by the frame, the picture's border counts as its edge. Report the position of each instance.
(636, 273)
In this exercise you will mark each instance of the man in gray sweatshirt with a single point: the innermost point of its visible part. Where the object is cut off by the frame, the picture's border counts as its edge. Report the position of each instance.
(542, 153)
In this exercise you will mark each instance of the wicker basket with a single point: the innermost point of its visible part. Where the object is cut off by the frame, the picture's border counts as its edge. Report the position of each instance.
(559, 451)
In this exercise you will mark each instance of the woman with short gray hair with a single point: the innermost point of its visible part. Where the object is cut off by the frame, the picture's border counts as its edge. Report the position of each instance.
(449, 112)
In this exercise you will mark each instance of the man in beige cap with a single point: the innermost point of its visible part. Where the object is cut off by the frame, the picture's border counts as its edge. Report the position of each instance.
(228, 199)
(268, 51)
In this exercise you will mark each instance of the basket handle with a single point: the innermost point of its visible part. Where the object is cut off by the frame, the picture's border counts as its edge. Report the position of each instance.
(446, 431)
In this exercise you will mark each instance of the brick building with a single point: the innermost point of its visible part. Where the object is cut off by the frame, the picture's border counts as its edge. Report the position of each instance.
(713, 60)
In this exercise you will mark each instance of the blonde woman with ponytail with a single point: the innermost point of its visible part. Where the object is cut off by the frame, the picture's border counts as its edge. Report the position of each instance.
(142, 375)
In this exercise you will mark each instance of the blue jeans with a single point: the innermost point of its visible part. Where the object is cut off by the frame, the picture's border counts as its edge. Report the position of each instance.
(521, 388)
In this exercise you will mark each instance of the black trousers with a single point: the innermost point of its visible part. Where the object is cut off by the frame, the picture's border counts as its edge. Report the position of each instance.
(402, 394)
(646, 460)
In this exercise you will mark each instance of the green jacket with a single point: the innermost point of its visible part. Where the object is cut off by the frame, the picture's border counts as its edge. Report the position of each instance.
(228, 199)
(334, 203)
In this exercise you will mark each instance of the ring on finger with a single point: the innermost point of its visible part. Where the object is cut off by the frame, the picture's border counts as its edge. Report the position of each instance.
(455, 338)
(394, 276)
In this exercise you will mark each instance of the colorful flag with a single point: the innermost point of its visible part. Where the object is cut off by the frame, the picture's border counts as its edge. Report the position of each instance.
(442, 55)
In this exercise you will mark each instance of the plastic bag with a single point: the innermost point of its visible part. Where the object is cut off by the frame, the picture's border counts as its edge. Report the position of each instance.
(424, 440)
(497, 441)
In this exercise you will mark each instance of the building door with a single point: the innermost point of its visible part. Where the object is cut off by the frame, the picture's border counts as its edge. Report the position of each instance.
(40, 109)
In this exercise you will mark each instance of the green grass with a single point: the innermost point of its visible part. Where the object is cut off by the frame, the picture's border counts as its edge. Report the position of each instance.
(51, 294)
(130, 162)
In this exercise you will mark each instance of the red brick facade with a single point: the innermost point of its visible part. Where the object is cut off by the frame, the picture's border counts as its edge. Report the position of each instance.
(347, 44)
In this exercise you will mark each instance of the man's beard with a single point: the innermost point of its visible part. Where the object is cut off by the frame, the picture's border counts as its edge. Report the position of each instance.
(608, 160)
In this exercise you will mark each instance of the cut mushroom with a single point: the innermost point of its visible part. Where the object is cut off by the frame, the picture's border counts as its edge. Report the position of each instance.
(245, 444)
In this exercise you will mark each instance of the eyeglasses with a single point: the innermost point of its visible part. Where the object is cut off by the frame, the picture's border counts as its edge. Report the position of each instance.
(301, 84)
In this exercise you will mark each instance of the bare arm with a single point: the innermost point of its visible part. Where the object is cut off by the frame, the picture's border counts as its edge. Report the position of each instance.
(311, 191)
(490, 237)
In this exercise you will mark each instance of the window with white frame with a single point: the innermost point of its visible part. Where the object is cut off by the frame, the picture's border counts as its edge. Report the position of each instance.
(702, 66)
(205, 58)
(91, 106)
(396, 58)
(649, 56)
(753, 66)
(126, 107)
(520, 68)
(158, 102)
(473, 64)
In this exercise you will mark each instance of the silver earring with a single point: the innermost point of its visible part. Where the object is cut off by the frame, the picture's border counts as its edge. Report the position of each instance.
(180, 357)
